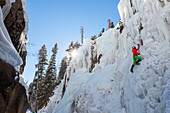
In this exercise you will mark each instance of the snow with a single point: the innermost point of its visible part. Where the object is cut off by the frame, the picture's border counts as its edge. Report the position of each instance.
(8, 52)
(6, 8)
(81, 59)
(88, 89)
(22, 82)
(111, 87)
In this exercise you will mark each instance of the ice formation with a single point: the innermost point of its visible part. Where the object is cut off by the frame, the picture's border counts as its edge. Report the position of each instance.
(111, 87)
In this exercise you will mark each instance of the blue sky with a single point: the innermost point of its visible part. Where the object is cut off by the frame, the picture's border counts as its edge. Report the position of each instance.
(59, 21)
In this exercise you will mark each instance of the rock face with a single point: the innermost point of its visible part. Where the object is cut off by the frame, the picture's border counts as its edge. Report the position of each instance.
(15, 25)
(13, 97)
(18, 101)
(2, 3)
(7, 75)
(23, 55)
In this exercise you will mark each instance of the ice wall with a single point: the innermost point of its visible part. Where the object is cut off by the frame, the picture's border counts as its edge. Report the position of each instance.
(149, 23)
(140, 92)
(167, 91)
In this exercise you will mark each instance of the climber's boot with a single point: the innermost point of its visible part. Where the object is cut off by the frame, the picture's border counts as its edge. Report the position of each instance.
(131, 70)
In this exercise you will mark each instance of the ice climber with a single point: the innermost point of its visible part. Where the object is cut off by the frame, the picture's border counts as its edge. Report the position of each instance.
(136, 58)
(68, 79)
(99, 58)
(121, 26)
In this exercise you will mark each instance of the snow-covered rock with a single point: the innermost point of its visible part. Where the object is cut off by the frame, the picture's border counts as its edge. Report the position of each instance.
(24, 40)
(111, 87)
(22, 82)
(8, 52)
(15, 99)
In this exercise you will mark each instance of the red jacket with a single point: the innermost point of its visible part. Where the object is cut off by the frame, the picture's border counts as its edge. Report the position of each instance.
(135, 51)
(100, 56)
(68, 79)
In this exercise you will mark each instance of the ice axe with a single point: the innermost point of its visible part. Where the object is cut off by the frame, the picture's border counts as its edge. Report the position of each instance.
(141, 41)
(136, 43)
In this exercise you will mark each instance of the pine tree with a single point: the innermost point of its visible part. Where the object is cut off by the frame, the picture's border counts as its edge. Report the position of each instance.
(93, 37)
(50, 77)
(100, 34)
(76, 45)
(112, 25)
(63, 67)
(103, 30)
(37, 85)
(72, 47)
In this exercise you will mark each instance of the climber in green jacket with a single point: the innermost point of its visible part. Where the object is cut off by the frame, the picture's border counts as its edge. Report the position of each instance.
(135, 57)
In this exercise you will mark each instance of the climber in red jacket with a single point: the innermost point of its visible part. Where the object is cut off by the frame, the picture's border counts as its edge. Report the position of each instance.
(135, 57)
(68, 79)
(99, 58)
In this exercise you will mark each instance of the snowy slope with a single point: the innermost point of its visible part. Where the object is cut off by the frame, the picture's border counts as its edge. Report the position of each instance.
(111, 87)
